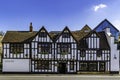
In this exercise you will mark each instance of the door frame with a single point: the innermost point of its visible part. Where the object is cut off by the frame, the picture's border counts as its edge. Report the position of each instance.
(62, 66)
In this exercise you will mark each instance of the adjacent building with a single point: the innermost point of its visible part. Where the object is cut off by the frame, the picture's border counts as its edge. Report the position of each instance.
(63, 51)
(107, 24)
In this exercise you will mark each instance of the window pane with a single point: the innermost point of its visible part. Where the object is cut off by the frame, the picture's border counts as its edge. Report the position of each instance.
(102, 66)
(82, 53)
(83, 66)
(44, 48)
(99, 53)
(16, 48)
(43, 65)
(63, 48)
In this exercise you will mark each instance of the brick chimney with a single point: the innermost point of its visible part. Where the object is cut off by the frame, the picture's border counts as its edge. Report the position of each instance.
(31, 27)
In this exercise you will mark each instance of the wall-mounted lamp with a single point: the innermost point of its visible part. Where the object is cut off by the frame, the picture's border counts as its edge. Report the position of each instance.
(115, 56)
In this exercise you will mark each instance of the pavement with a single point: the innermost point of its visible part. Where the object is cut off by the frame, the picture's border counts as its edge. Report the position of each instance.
(57, 77)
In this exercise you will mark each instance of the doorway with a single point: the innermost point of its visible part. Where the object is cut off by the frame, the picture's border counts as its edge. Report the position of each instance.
(62, 68)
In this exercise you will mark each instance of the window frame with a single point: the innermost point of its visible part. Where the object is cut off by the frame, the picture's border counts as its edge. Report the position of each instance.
(44, 48)
(16, 48)
(39, 64)
(99, 53)
(63, 48)
(82, 53)
(101, 66)
(83, 66)
(71, 65)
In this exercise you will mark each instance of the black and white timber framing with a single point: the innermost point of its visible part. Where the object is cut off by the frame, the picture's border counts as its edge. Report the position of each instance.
(59, 52)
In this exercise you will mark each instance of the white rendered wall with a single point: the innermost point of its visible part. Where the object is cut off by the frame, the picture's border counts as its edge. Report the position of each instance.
(114, 55)
(16, 65)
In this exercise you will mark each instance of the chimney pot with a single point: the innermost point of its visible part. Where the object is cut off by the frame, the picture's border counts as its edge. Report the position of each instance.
(31, 27)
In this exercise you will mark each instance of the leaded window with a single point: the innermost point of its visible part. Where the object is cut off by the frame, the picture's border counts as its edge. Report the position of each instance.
(64, 48)
(16, 48)
(44, 48)
(43, 65)
(93, 66)
(83, 66)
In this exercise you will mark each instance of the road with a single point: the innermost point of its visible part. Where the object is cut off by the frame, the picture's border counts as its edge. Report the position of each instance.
(57, 77)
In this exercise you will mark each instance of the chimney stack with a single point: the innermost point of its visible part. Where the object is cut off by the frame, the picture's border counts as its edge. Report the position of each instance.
(107, 30)
(31, 27)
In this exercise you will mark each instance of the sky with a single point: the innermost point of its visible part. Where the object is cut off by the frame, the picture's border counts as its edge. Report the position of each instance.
(54, 15)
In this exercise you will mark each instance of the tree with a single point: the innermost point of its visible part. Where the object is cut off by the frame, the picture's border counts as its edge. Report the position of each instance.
(1, 33)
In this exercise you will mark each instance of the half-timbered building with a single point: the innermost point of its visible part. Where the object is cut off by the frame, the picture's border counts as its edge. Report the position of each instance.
(63, 51)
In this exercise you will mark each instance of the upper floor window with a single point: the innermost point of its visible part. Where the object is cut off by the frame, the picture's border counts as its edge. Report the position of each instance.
(65, 35)
(42, 34)
(16, 48)
(99, 53)
(93, 41)
(44, 48)
(82, 53)
(64, 48)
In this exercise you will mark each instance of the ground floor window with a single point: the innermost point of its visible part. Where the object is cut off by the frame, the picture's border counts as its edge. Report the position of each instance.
(93, 66)
(101, 66)
(39, 64)
(88, 66)
(83, 66)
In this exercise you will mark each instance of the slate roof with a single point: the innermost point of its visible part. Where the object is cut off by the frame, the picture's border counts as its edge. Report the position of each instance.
(105, 20)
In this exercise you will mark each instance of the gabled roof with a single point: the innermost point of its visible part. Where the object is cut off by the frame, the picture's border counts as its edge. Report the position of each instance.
(105, 20)
(18, 36)
(66, 28)
(26, 36)
(103, 40)
(43, 28)
(79, 34)
(86, 28)
(21, 36)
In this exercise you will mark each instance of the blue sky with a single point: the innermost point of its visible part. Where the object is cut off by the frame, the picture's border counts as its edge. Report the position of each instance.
(56, 14)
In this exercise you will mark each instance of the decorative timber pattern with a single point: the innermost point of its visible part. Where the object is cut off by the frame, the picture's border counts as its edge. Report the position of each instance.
(63, 51)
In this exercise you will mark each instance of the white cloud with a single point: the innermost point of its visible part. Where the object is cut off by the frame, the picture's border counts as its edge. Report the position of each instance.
(100, 6)
(116, 23)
